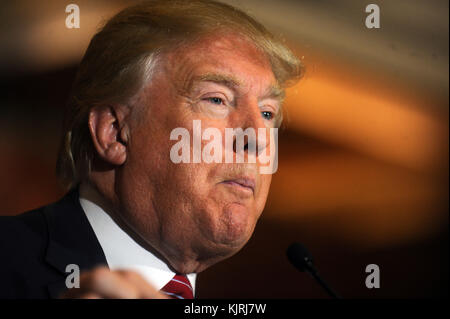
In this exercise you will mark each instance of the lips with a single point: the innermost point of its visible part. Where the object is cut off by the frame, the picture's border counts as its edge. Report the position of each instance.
(245, 183)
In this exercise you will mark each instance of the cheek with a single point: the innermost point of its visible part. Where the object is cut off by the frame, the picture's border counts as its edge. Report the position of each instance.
(263, 192)
(182, 191)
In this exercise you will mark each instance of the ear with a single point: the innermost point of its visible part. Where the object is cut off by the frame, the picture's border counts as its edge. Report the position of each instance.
(107, 136)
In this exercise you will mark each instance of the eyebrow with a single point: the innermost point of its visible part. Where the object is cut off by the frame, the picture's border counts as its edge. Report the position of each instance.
(227, 80)
(274, 91)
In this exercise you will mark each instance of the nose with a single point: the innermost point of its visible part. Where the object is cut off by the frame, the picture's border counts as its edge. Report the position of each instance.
(255, 132)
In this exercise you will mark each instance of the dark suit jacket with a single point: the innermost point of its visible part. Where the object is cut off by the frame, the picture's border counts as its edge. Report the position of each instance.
(36, 247)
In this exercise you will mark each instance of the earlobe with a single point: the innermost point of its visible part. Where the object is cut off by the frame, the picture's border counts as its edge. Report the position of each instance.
(106, 137)
(116, 153)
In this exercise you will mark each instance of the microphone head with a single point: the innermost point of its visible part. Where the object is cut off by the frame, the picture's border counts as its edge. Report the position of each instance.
(299, 256)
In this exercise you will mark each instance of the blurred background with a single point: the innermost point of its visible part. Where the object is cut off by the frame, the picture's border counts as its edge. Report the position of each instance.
(363, 159)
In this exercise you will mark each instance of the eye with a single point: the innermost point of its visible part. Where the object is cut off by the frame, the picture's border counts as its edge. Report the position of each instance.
(267, 115)
(215, 100)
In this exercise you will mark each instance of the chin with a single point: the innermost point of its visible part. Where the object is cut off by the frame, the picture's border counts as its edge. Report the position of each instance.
(236, 226)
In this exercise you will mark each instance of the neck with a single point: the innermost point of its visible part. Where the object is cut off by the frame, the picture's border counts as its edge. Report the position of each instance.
(180, 259)
(92, 193)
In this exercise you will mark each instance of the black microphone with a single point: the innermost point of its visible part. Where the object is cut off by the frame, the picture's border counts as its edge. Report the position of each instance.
(299, 256)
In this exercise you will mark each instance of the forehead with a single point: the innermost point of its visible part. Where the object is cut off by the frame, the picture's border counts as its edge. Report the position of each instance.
(231, 55)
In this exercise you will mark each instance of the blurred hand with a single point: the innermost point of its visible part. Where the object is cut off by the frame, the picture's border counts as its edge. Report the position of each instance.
(102, 283)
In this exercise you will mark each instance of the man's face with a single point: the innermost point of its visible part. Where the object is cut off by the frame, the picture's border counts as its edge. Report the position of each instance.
(198, 211)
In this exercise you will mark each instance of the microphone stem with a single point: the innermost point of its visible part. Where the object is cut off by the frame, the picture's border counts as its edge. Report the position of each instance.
(316, 276)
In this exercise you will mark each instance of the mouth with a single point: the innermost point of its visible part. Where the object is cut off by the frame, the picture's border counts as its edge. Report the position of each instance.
(245, 184)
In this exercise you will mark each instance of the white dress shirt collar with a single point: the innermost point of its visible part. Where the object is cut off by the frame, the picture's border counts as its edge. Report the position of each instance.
(122, 252)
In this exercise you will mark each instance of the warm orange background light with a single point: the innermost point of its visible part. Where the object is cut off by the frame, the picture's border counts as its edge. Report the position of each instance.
(363, 158)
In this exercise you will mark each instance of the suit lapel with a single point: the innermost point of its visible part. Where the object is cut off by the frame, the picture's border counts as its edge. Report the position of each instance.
(71, 239)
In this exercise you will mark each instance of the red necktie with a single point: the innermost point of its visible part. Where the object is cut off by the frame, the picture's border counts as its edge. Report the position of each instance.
(179, 287)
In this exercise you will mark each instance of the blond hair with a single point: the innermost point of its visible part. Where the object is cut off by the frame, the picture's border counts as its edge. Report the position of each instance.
(119, 59)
